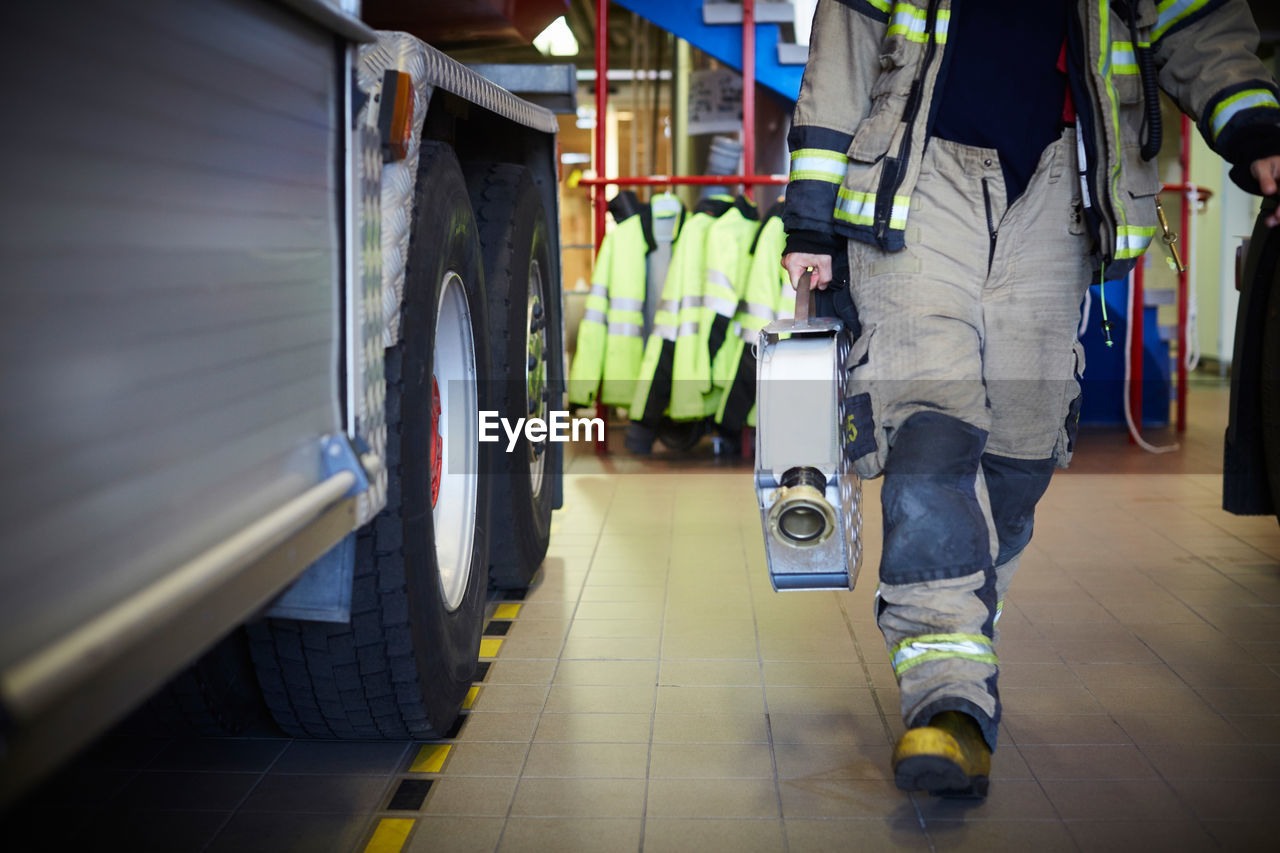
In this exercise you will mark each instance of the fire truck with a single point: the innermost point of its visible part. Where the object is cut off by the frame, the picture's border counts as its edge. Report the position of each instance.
(263, 264)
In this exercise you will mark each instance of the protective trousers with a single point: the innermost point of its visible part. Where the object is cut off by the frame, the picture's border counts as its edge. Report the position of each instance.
(964, 391)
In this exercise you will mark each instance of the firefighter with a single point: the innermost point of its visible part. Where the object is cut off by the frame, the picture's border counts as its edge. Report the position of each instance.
(968, 169)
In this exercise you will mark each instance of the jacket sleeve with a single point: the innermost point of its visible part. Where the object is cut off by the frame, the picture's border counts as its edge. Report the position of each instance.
(588, 357)
(835, 96)
(1206, 53)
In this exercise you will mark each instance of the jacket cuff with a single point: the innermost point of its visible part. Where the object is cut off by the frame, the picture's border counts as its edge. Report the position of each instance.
(1252, 143)
(812, 242)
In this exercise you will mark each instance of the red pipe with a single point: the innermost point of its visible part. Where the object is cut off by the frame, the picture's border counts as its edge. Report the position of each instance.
(598, 160)
(676, 180)
(1185, 245)
(748, 89)
(602, 107)
(1135, 344)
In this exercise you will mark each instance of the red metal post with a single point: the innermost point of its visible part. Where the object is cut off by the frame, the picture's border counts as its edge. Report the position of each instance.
(1135, 344)
(748, 90)
(602, 107)
(676, 180)
(1184, 243)
(598, 159)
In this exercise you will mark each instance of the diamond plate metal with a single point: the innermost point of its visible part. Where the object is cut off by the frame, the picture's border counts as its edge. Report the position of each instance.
(429, 69)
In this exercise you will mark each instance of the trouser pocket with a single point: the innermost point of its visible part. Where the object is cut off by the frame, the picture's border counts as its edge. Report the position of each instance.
(1073, 398)
(864, 438)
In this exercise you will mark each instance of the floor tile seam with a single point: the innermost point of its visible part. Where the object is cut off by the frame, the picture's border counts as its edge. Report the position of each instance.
(560, 656)
(247, 794)
(1182, 802)
(764, 693)
(1170, 665)
(880, 710)
(653, 708)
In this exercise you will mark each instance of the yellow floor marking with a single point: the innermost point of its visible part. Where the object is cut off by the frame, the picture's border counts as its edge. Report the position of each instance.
(430, 758)
(470, 698)
(390, 835)
(489, 646)
(506, 611)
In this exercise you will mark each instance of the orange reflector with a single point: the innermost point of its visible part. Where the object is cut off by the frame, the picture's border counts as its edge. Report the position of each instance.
(395, 115)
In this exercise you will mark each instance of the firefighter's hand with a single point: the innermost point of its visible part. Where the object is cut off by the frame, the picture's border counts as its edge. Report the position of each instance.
(796, 263)
(1267, 171)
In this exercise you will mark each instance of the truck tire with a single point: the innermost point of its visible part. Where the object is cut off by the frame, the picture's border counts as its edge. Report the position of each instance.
(514, 236)
(403, 665)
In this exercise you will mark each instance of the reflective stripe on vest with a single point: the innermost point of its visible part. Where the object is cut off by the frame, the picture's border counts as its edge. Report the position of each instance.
(1171, 12)
(860, 209)
(595, 315)
(914, 651)
(622, 303)
(630, 330)
(910, 22)
(1132, 241)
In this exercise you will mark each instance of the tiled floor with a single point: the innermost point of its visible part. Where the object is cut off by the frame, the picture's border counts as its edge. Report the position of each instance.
(653, 693)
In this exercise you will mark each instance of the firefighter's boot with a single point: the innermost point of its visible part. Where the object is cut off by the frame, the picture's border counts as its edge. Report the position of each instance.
(948, 758)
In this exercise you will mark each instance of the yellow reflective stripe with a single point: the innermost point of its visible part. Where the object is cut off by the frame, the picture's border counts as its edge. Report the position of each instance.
(1123, 59)
(1133, 240)
(1104, 68)
(882, 5)
(910, 22)
(818, 164)
(914, 651)
(1170, 12)
(859, 208)
(999, 612)
(982, 657)
(1231, 107)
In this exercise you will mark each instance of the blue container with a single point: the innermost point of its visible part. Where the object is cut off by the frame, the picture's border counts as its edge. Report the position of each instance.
(1104, 366)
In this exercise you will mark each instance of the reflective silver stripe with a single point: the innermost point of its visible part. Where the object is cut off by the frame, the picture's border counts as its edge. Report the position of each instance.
(595, 316)
(669, 305)
(685, 329)
(622, 303)
(940, 648)
(691, 301)
(723, 307)
(664, 331)
(718, 278)
(764, 312)
(630, 330)
(748, 335)
(599, 290)
(1237, 103)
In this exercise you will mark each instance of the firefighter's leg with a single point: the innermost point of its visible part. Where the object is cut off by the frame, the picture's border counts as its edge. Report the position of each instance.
(921, 409)
(1031, 359)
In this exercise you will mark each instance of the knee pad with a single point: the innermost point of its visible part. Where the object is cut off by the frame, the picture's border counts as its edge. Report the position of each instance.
(1015, 486)
(934, 525)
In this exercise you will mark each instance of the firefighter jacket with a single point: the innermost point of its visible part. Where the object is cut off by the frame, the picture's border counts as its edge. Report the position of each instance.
(611, 334)
(671, 380)
(865, 106)
(767, 296)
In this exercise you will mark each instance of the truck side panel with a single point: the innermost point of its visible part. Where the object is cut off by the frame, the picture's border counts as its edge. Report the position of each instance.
(169, 337)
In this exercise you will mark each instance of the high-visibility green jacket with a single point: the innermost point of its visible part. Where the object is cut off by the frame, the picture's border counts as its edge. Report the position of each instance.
(610, 346)
(767, 296)
(728, 259)
(673, 373)
(862, 119)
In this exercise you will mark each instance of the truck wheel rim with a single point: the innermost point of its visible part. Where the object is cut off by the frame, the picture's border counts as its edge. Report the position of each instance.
(535, 372)
(453, 511)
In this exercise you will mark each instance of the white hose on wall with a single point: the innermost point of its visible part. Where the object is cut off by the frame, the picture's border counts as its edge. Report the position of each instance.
(1128, 372)
(1191, 338)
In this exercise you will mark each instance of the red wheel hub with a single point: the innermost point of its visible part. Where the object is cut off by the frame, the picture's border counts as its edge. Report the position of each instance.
(437, 442)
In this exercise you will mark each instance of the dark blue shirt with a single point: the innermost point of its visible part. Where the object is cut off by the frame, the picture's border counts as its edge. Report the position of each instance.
(1001, 87)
